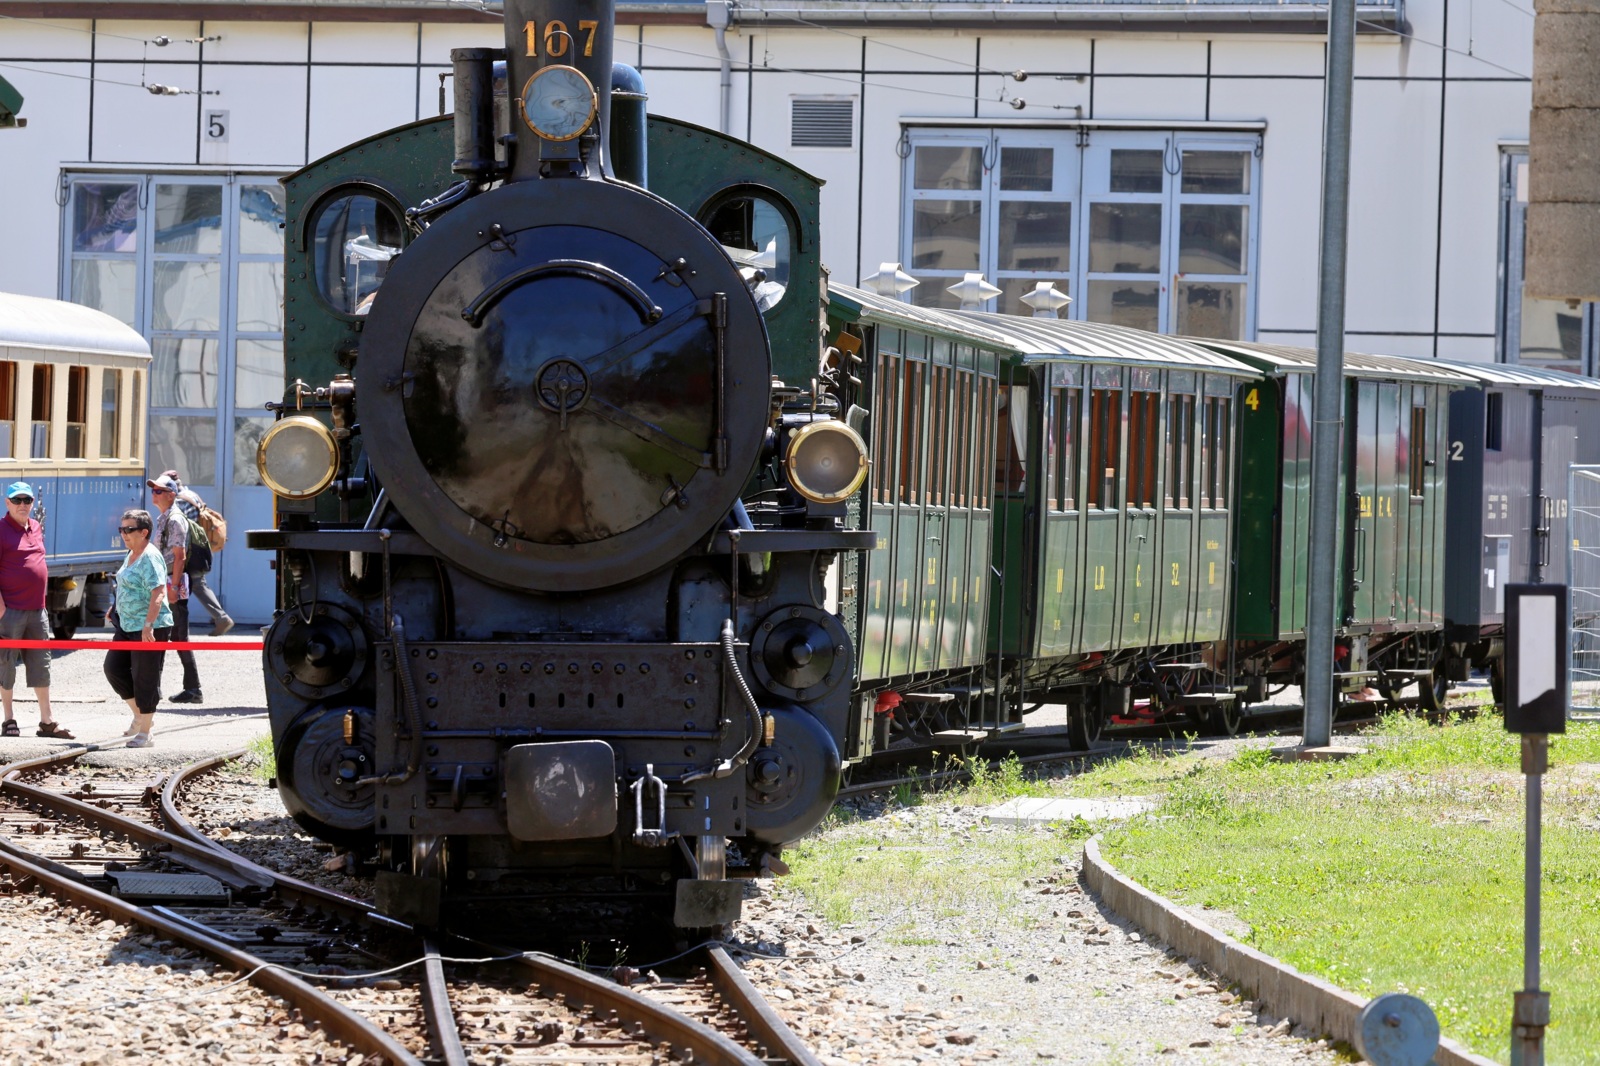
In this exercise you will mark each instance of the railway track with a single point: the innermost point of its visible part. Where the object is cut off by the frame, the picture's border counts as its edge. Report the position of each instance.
(378, 986)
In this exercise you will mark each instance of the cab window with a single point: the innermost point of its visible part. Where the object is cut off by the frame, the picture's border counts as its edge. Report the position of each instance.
(755, 233)
(353, 239)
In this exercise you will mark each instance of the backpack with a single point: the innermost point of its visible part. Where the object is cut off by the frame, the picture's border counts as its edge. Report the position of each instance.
(208, 532)
(198, 559)
(215, 527)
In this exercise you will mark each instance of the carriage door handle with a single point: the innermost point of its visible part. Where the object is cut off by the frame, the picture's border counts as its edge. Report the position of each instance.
(1542, 530)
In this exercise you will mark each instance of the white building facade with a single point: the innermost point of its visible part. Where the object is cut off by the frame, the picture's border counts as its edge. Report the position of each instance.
(1160, 163)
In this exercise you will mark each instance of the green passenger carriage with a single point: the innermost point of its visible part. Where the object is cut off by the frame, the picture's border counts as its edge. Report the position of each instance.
(1391, 524)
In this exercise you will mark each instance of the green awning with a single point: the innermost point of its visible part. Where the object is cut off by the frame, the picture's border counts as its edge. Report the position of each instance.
(10, 104)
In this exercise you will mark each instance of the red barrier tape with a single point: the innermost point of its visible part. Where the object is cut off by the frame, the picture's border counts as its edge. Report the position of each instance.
(137, 645)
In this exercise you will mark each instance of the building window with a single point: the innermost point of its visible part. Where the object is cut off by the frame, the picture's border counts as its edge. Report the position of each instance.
(194, 262)
(1533, 332)
(1150, 229)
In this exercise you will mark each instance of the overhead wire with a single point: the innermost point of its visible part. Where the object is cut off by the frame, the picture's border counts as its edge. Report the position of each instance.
(110, 81)
(750, 67)
(1443, 48)
(902, 48)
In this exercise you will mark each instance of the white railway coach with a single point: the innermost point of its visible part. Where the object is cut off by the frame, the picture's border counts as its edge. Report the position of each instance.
(73, 397)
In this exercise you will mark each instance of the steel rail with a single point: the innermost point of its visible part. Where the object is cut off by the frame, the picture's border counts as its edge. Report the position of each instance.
(754, 1010)
(444, 1036)
(224, 867)
(555, 979)
(289, 887)
(339, 1022)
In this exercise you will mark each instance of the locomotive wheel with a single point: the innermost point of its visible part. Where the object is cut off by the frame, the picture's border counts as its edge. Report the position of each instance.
(1433, 688)
(1497, 681)
(1085, 722)
(430, 856)
(1228, 716)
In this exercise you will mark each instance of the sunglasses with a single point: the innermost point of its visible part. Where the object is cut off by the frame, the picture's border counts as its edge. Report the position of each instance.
(24, 500)
(161, 492)
(129, 530)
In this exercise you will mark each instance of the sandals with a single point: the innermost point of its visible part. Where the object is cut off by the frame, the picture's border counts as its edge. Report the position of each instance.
(141, 740)
(10, 728)
(54, 731)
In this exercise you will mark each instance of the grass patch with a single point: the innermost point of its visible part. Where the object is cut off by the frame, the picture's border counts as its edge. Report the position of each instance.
(1399, 869)
(260, 760)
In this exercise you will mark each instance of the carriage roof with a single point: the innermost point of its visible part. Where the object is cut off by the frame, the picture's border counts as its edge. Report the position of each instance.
(1510, 375)
(1033, 340)
(58, 326)
(1291, 359)
(1056, 340)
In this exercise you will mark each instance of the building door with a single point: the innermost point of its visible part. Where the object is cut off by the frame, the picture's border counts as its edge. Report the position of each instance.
(194, 262)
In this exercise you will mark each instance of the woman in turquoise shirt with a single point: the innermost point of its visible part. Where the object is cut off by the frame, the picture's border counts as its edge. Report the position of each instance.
(140, 613)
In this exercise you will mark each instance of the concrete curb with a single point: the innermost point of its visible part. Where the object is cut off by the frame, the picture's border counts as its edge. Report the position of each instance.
(1279, 987)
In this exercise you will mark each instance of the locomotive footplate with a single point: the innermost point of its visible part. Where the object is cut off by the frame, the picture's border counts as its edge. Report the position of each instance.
(504, 727)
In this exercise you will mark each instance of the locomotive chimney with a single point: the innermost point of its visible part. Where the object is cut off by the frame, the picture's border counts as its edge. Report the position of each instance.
(554, 138)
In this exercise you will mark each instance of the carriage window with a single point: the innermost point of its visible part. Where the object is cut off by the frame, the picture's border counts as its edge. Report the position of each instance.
(110, 388)
(8, 408)
(1494, 413)
(883, 428)
(962, 491)
(1060, 459)
(1418, 452)
(756, 236)
(133, 428)
(1105, 433)
(910, 435)
(1214, 453)
(983, 485)
(939, 436)
(77, 411)
(1180, 451)
(1143, 443)
(39, 434)
(1009, 470)
(354, 237)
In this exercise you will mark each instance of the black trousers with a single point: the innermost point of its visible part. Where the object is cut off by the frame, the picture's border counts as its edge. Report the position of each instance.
(136, 675)
(180, 632)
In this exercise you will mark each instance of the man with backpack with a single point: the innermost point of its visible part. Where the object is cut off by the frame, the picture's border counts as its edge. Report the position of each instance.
(199, 556)
(171, 539)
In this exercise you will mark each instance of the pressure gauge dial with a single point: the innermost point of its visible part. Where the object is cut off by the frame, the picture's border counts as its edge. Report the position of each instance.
(558, 103)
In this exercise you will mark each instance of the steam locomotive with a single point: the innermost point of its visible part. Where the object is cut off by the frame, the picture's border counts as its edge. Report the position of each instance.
(552, 539)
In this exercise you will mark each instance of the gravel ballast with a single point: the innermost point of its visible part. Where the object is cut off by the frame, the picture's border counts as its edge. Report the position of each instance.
(1080, 987)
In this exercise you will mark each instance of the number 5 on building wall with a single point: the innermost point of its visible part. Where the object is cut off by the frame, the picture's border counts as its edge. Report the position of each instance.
(217, 125)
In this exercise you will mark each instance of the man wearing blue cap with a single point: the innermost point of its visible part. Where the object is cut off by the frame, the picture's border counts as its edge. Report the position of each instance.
(24, 580)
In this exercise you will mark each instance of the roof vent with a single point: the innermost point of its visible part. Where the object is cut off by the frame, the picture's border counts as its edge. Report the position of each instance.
(822, 123)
